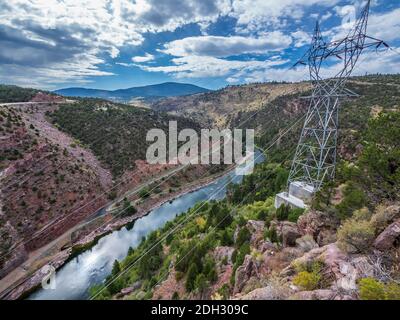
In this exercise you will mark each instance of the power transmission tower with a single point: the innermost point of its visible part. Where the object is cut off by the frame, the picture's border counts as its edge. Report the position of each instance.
(315, 157)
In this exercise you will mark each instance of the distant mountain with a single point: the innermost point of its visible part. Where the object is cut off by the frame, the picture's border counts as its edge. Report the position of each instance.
(167, 89)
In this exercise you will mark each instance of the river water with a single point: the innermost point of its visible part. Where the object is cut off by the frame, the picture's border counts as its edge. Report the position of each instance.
(92, 266)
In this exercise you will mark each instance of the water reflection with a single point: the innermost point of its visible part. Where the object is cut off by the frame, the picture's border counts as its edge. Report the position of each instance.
(92, 266)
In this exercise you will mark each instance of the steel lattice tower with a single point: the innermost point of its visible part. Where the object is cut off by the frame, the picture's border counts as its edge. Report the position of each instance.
(315, 157)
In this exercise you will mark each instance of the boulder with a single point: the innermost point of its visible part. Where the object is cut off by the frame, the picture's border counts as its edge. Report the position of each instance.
(321, 226)
(256, 229)
(343, 270)
(124, 292)
(276, 261)
(223, 252)
(306, 243)
(244, 273)
(388, 238)
(264, 246)
(384, 216)
(273, 291)
(287, 231)
(322, 294)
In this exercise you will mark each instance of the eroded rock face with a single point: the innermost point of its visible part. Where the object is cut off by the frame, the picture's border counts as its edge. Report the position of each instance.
(321, 294)
(256, 229)
(223, 252)
(273, 291)
(287, 231)
(383, 219)
(322, 226)
(389, 237)
(344, 270)
(306, 243)
(243, 274)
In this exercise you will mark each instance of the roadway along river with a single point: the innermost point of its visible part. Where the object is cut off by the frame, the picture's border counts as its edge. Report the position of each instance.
(92, 266)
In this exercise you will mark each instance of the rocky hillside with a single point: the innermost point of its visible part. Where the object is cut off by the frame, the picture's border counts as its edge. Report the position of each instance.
(61, 161)
(116, 133)
(222, 106)
(345, 246)
(39, 169)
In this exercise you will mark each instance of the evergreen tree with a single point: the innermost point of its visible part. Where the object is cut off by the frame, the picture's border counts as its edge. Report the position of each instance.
(116, 269)
(191, 277)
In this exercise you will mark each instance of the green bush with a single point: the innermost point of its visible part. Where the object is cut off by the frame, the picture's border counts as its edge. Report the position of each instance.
(243, 236)
(271, 235)
(144, 193)
(354, 199)
(307, 280)
(356, 236)
(371, 289)
(191, 277)
(282, 213)
(175, 296)
(294, 214)
(392, 291)
(381, 155)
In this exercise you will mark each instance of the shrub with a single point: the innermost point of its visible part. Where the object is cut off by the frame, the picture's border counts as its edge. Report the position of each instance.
(362, 214)
(381, 155)
(356, 236)
(307, 280)
(191, 277)
(294, 214)
(200, 282)
(354, 198)
(144, 193)
(272, 235)
(175, 296)
(282, 213)
(383, 217)
(371, 289)
(243, 236)
(392, 291)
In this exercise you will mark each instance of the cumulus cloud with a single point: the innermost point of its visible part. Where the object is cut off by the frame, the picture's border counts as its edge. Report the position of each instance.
(254, 15)
(301, 38)
(386, 25)
(147, 57)
(56, 41)
(203, 66)
(215, 46)
(60, 34)
(167, 15)
(369, 63)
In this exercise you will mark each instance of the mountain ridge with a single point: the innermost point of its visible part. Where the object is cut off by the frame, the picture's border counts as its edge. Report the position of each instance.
(165, 89)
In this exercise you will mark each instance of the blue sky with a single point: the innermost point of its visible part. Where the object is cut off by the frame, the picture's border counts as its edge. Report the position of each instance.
(113, 44)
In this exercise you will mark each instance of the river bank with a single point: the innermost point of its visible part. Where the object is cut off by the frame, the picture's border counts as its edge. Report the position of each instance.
(31, 281)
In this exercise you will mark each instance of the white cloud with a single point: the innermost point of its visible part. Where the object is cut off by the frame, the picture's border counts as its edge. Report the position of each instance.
(254, 15)
(147, 57)
(52, 75)
(385, 26)
(301, 38)
(202, 66)
(215, 46)
(53, 34)
(62, 40)
(369, 63)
